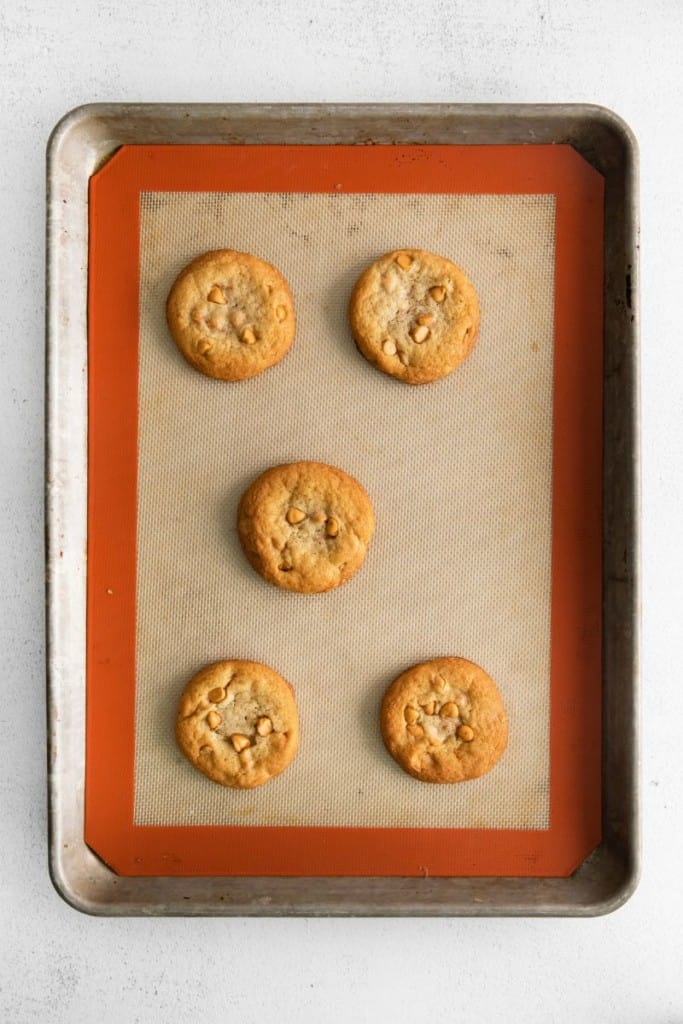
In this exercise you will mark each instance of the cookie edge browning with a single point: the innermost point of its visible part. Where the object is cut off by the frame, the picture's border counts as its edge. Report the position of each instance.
(410, 375)
(173, 308)
(391, 711)
(208, 672)
(245, 516)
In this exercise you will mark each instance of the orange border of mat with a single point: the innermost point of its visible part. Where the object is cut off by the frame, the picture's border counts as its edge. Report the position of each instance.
(575, 728)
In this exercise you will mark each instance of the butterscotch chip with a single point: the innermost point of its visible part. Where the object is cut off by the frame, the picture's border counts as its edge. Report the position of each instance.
(264, 726)
(239, 751)
(249, 334)
(240, 742)
(295, 515)
(430, 315)
(467, 735)
(319, 547)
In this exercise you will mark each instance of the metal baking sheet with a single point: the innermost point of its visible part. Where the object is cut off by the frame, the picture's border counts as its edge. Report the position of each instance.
(82, 142)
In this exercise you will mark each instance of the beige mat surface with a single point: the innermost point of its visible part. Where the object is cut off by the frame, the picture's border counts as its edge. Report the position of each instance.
(459, 473)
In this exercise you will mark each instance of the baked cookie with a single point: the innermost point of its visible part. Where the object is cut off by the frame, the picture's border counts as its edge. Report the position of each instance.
(237, 723)
(414, 315)
(231, 314)
(444, 721)
(305, 526)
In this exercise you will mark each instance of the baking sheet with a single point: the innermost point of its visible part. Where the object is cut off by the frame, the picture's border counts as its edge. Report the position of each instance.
(459, 473)
(117, 878)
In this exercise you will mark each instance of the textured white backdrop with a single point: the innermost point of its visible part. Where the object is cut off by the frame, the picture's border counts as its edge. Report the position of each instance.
(59, 966)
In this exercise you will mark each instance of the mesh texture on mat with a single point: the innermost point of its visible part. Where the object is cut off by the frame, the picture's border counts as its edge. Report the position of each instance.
(459, 473)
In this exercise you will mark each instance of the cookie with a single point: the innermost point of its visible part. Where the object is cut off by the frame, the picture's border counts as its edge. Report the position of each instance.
(231, 314)
(444, 721)
(305, 526)
(414, 315)
(238, 723)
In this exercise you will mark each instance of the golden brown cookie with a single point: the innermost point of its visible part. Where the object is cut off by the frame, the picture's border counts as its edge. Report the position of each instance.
(231, 314)
(414, 315)
(444, 721)
(305, 526)
(238, 723)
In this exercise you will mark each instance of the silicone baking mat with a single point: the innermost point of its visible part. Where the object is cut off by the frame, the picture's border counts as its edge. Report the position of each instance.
(485, 487)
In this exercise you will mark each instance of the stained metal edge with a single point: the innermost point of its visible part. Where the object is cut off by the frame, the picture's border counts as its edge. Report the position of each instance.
(621, 544)
(65, 478)
(80, 143)
(110, 125)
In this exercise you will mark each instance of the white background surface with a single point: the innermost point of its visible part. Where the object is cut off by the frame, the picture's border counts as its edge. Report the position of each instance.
(57, 965)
